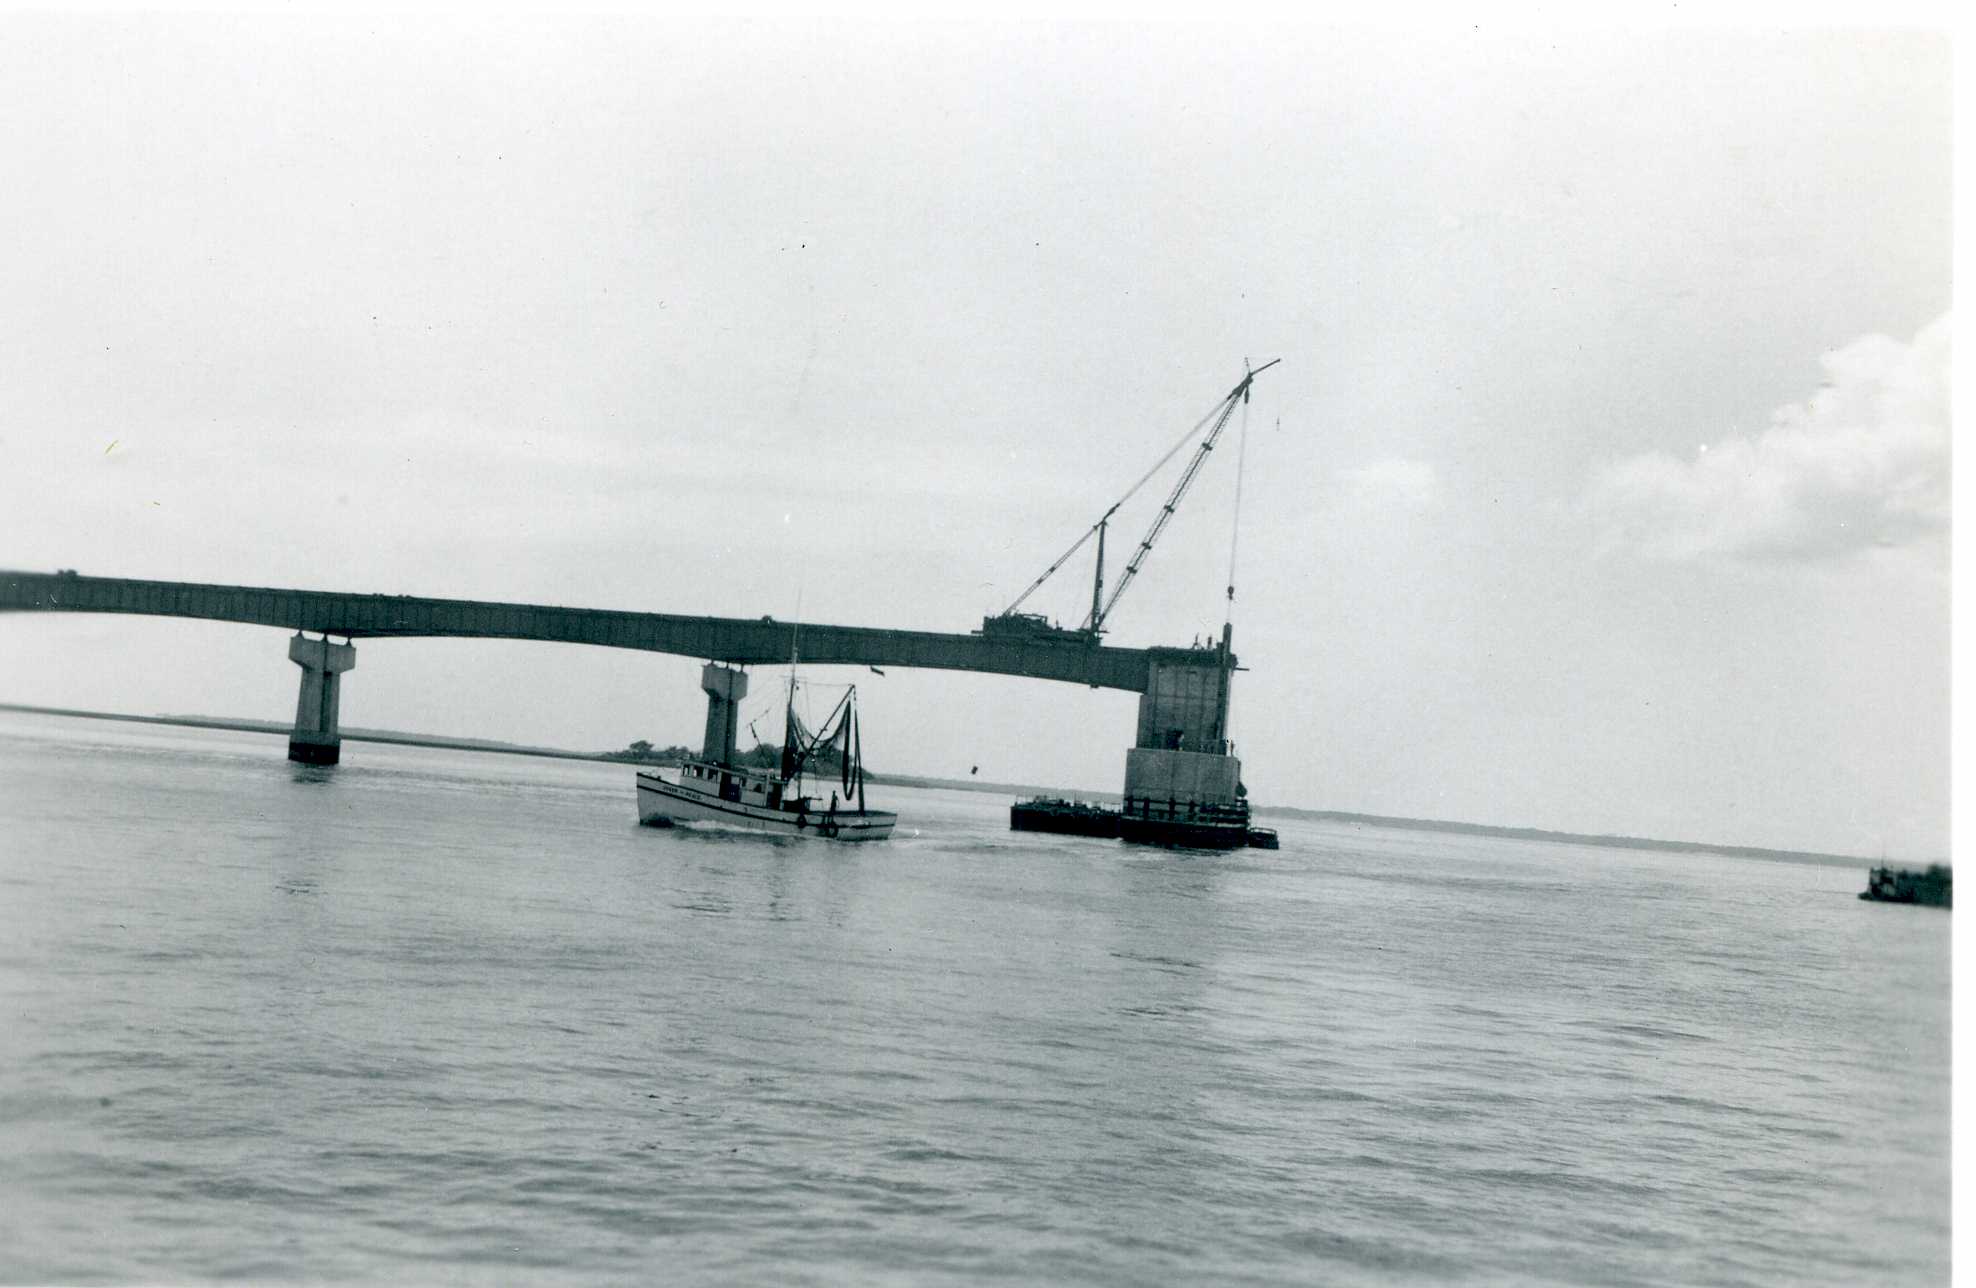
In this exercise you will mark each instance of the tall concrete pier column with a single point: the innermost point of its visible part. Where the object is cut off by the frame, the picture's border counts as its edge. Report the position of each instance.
(316, 740)
(725, 686)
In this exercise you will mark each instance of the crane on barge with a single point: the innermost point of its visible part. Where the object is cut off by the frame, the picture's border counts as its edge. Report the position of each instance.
(1013, 624)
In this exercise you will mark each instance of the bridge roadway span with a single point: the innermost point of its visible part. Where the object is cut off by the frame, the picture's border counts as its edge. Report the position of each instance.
(737, 641)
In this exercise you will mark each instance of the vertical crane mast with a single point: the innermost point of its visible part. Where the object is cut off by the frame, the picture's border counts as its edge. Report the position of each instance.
(1098, 578)
(1236, 396)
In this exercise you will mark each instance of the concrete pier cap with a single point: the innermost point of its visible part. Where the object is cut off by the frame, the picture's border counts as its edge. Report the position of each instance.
(316, 739)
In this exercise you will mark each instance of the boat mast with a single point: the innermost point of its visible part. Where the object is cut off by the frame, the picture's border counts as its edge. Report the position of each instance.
(857, 739)
(789, 763)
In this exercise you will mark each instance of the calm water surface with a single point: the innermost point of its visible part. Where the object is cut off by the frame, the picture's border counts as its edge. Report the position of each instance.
(441, 1016)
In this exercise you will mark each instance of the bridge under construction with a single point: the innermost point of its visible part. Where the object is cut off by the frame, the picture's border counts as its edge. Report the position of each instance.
(1181, 759)
(1183, 690)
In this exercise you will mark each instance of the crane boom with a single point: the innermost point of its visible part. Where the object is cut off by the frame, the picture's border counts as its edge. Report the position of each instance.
(1235, 398)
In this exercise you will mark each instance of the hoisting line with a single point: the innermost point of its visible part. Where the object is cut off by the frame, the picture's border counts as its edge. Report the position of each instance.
(1241, 456)
(1092, 531)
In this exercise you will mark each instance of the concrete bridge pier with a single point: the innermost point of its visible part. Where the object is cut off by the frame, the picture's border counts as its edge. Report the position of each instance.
(1183, 759)
(725, 686)
(316, 740)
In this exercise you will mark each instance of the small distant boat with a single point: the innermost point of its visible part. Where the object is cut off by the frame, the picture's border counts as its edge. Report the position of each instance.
(774, 801)
(1933, 887)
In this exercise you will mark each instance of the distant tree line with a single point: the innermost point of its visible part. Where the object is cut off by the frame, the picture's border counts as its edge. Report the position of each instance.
(768, 755)
(764, 755)
(645, 753)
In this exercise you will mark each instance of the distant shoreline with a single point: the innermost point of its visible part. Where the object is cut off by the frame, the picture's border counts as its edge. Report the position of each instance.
(276, 727)
(443, 743)
(1576, 838)
(395, 738)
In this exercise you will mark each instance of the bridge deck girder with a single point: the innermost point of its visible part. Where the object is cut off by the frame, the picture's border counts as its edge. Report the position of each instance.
(737, 641)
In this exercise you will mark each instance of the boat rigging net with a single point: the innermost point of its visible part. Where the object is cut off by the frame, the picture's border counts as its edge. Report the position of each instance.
(839, 732)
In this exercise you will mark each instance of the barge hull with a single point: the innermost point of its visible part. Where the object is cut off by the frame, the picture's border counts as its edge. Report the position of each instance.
(1063, 817)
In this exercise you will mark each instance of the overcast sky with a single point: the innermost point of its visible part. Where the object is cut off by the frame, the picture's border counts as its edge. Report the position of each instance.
(1603, 485)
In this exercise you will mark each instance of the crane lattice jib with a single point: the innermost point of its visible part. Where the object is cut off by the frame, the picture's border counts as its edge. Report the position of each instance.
(1165, 515)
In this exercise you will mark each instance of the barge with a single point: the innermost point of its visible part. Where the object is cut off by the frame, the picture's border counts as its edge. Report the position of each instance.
(1054, 814)
(1173, 823)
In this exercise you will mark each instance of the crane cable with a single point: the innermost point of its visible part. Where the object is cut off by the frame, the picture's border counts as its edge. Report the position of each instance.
(1092, 531)
(1222, 412)
(1171, 452)
(1235, 536)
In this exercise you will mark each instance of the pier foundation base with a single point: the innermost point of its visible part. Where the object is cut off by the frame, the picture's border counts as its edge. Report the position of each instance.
(1189, 798)
(316, 739)
(1183, 782)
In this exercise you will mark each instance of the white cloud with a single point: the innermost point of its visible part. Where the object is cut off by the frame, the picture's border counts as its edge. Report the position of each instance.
(1862, 463)
(1395, 482)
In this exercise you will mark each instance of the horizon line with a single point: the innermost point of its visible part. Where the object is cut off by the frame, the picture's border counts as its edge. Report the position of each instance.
(449, 742)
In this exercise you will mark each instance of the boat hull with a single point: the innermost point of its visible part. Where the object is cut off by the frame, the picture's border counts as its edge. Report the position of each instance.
(666, 804)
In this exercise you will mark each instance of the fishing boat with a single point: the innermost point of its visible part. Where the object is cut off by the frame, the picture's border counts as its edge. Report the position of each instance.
(778, 801)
